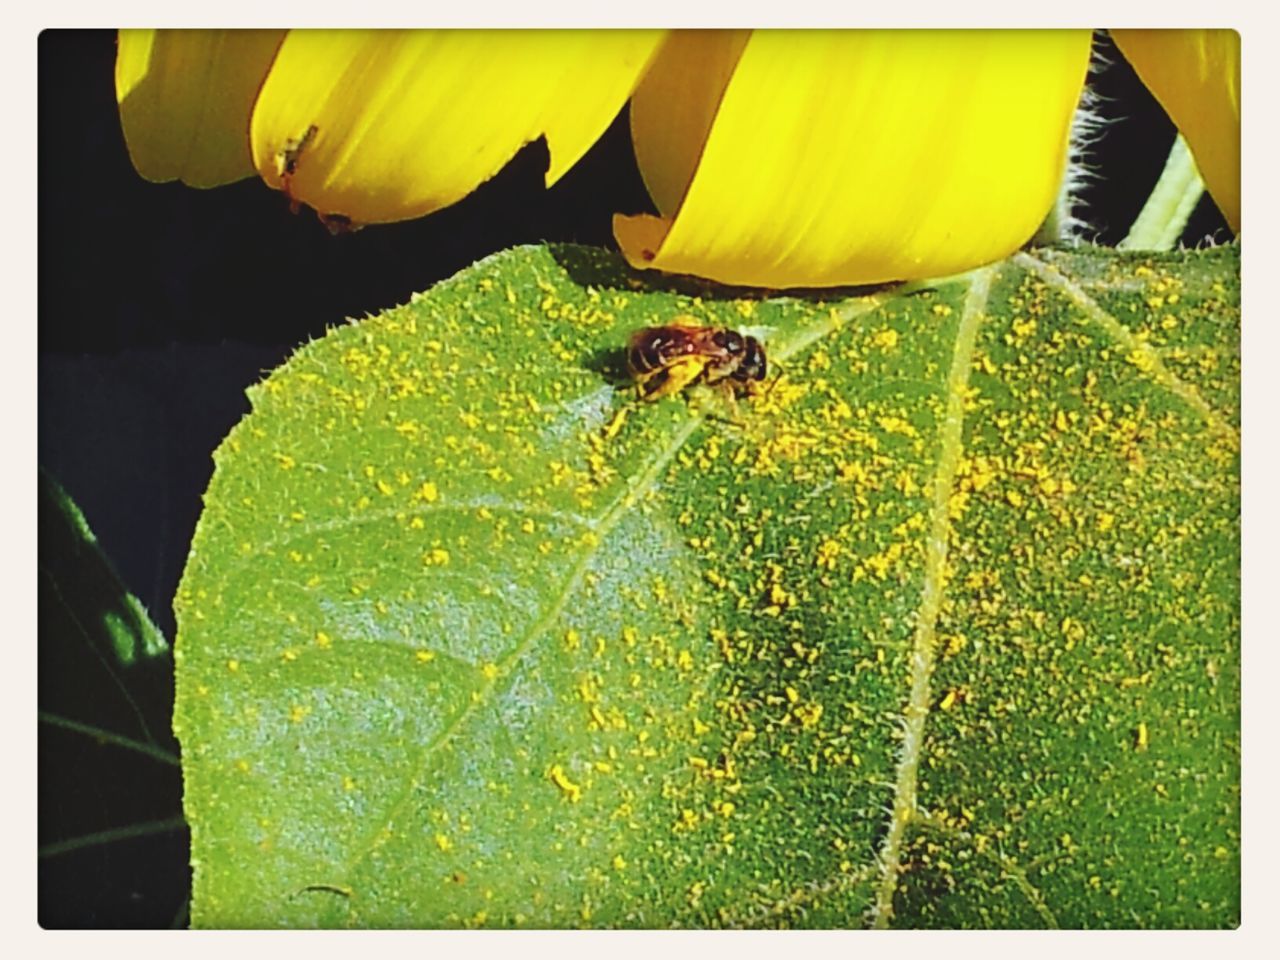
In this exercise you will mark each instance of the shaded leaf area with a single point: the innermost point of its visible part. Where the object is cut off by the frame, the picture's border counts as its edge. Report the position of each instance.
(471, 637)
(105, 748)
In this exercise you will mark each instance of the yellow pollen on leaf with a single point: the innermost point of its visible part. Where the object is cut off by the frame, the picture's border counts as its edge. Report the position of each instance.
(571, 790)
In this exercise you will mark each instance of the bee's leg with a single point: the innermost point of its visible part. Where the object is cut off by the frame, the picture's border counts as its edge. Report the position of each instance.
(719, 379)
(648, 384)
(717, 373)
(673, 378)
(712, 401)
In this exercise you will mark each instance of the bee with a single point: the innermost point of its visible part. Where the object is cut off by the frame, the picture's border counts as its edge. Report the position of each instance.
(286, 161)
(287, 158)
(665, 360)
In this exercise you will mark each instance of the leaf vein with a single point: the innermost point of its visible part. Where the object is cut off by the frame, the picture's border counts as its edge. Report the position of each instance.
(1147, 357)
(608, 520)
(903, 807)
(1009, 867)
(341, 523)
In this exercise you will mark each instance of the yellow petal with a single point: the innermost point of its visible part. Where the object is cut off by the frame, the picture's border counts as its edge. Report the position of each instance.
(1195, 75)
(673, 108)
(846, 157)
(407, 122)
(185, 98)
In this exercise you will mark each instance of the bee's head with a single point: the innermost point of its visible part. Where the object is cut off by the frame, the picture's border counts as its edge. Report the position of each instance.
(754, 366)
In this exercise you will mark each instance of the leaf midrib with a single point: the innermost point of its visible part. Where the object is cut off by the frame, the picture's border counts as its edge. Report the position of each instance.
(903, 809)
(600, 527)
(951, 443)
(609, 519)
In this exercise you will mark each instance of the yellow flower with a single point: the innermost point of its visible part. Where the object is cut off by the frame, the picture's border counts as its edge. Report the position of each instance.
(185, 97)
(377, 126)
(774, 158)
(1195, 75)
(837, 157)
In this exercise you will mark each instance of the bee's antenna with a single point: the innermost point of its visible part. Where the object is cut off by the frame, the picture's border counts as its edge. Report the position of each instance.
(776, 379)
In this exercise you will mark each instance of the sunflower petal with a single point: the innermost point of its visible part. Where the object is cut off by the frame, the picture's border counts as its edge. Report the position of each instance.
(865, 156)
(407, 122)
(673, 108)
(185, 98)
(1195, 74)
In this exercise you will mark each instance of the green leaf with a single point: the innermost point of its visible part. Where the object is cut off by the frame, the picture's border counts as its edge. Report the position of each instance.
(100, 649)
(940, 630)
(75, 570)
(110, 788)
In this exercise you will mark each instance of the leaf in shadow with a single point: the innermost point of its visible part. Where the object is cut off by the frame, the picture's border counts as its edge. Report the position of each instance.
(112, 841)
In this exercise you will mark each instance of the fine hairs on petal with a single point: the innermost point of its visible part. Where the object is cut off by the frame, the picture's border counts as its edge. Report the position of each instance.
(1067, 223)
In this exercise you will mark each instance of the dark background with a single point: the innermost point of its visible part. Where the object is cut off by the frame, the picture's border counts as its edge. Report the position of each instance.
(159, 304)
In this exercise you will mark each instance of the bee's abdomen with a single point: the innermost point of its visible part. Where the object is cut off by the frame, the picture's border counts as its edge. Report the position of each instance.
(652, 349)
(643, 356)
